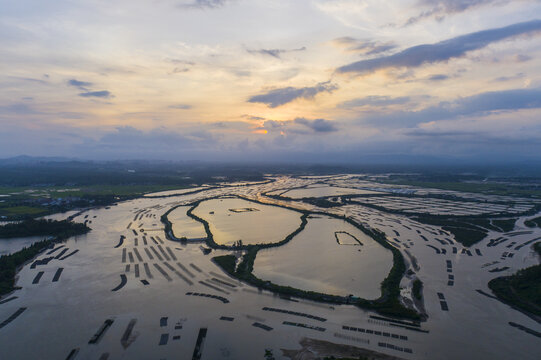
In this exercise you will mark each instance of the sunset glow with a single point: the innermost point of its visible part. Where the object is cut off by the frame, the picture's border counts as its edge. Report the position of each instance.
(96, 77)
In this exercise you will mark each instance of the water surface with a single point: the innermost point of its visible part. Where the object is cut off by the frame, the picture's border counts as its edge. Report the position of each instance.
(314, 260)
(233, 219)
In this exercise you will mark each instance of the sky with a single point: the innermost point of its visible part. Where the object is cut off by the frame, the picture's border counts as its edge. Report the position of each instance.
(271, 80)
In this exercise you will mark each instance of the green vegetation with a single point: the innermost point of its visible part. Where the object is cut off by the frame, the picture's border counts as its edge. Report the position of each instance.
(505, 224)
(417, 289)
(20, 211)
(466, 236)
(537, 248)
(38, 201)
(247, 264)
(466, 231)
(535, 222)
(226, 262)
(32, 227)
(471, 184)
(53, 192)
(521, 290)
(31, 187)
(269, 355)
(46, 173)
(9, 264)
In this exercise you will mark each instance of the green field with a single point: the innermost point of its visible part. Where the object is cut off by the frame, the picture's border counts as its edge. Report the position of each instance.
(34, 201)
(78, 191)
(522, 289)
(22, 211)
(473, 187)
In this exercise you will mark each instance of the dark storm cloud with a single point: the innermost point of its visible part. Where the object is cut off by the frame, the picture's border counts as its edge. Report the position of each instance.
(317, 125)
(278, 97)
(375, 100)
(442, 51)
(276, 53)
(483, 103)
(99, 94)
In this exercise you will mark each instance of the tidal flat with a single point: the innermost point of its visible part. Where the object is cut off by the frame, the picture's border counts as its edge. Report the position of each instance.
(163, 295)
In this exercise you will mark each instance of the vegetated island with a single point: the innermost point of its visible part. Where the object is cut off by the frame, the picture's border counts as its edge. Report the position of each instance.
(468, 230)
(56, 231)
(535, 222)
(521, 290)
(387, 304)
(42, 227)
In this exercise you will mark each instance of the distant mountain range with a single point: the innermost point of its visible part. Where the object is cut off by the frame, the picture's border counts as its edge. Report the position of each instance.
(395, 163)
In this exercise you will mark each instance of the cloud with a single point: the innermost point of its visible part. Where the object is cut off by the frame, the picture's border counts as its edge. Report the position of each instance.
(365, 47)
(274, 52)
(278, 97)
(79, 84)
(438, 9)
(105, 94)
(495, 100)
(179, 70)
(39, 81)
(417, 132)
(17, 109)
(508, 78)
(85, 86)
(180, 106)
(522, 58)
(203, 4)
(480, 104)
(438, 77)
(129, 142)
(253, 117)
(470, 135)
(442, 51)
(128, 136)
(180, 61)
(72, 115)
(374, 100)
(299, 126)
(317, 125)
